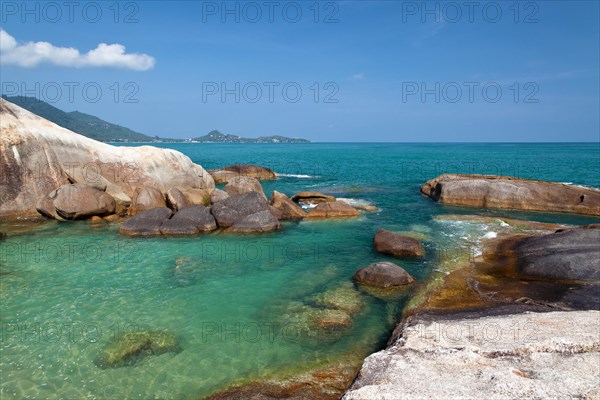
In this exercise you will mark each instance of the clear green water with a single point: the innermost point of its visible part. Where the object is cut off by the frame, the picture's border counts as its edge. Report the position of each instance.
(67, 289)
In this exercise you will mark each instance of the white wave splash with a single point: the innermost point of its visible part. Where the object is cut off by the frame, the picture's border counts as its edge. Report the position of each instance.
(298, 176)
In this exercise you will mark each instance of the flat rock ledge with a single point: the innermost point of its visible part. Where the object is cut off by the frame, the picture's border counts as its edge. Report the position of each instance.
(490, 191)
(516, 356)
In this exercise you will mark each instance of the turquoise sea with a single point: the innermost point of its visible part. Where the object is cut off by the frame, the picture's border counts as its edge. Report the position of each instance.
(68, 289)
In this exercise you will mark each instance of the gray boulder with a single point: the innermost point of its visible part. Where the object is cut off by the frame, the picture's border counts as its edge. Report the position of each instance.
(217, 195)
(145, 223)
(245, 213)
(572, 254)
(189, 221)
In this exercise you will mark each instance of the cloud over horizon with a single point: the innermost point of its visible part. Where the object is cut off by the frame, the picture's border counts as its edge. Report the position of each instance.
(32, 54)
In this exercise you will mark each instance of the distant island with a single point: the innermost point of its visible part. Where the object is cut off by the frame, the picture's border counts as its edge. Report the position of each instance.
(218, 137)
(103, 131)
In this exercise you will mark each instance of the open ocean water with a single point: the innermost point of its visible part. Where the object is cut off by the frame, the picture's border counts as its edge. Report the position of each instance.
(67, 290)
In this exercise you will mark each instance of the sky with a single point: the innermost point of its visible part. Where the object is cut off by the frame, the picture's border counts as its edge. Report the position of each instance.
(346, 71)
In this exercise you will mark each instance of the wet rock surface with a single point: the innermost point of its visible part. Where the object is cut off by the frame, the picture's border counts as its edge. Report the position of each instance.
(384, 275)
(397, 245)
(335, 209)
(132, 348)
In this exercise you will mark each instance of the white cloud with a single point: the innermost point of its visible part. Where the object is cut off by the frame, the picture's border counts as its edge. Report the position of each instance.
(358, 77)
(31, 54)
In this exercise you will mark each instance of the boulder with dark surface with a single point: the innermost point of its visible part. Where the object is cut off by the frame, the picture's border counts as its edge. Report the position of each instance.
(146, 223)
(568, 255)
(244, 184)
(217, 195)
(224, 175)
(176, 200)
(335, 209)
(312, 198)
(384, 275)
(245, 213)
(76, 201)
(397, 245)
(146, 198)
(189, 221)
(37, 157)
(512, 193)
(288, 209)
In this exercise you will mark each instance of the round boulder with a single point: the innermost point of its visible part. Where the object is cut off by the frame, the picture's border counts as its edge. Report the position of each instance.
(244, 184)
(146, 198)
(79, 201)
(397, 245)
(383, 275)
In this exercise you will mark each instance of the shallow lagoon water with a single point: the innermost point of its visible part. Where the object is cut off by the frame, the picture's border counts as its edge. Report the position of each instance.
(67, 289)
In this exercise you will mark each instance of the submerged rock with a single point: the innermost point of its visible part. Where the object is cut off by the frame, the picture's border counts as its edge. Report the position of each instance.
(76, 201)
(344, 298)
(335, 209)
(289, 209)
(145, 223)
(312, 198)
(226, 174)
(512, 193)
(133, 347)
(385, 275)
(245, 213)
(244, 184)
(397, 245)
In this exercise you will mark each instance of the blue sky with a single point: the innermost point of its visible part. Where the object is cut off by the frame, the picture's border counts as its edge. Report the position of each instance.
(366, 70)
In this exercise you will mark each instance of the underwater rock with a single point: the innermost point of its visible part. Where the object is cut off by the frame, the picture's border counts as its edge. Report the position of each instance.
(397, 245)
(133, 347)
(344, 298)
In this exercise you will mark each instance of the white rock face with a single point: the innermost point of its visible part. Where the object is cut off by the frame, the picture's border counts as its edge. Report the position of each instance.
(38, 156)
(520, 356)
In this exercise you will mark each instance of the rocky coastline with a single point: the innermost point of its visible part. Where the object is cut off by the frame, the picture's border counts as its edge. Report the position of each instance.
(542, 277)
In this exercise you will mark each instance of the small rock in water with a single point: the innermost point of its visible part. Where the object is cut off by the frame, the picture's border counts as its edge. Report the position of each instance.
(133, 347)
(385, 275)
(397, 245)
(344, 298)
